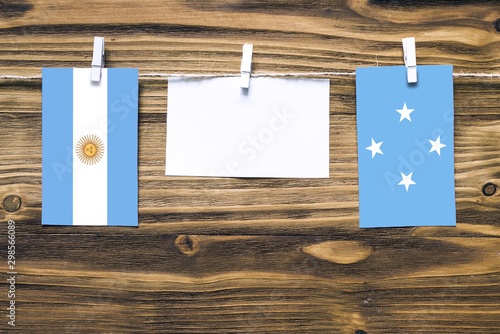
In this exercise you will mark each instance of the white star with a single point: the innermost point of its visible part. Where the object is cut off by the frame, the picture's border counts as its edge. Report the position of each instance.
(406, 181)
(405, 113)
(436, 145)
(375, 148)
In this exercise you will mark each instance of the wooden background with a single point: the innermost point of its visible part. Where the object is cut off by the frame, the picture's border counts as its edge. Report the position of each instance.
(252, 255)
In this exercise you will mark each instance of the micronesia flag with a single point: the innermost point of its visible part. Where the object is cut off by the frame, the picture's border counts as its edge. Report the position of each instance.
(405, 147)
(89, 147)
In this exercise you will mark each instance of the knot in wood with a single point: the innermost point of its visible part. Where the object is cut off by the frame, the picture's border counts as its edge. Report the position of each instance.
(496, 24)
(12, 203)
(341, 251)
(187, 245)
(489, 189)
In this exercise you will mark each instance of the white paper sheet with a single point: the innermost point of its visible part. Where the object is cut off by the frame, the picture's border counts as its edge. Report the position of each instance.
(277, 128)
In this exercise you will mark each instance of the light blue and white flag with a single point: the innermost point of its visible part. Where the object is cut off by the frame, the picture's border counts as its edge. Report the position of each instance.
(405, 147)
(89, 147)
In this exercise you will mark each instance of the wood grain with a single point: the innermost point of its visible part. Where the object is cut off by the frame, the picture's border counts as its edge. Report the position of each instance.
(253, 255)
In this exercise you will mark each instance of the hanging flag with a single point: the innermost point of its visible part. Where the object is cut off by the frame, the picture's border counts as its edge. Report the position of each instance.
(405, 147)
(89, 147)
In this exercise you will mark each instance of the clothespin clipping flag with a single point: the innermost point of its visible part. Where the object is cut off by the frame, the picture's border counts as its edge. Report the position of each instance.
(89, 146)
(405, 147)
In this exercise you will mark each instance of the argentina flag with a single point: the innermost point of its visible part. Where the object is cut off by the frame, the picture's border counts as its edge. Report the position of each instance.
(405, 147)
(89, 147)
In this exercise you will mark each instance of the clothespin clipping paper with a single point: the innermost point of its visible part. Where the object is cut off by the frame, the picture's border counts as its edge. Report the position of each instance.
(246, 65)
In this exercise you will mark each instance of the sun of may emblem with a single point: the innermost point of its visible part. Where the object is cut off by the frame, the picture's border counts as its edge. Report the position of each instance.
(90, 149)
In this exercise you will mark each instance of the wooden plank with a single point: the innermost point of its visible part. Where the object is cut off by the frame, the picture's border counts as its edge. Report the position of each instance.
(259, 284)
(253, 255)
(206, 36)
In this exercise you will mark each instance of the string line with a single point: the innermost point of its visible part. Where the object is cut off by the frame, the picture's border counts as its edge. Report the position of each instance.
(254, 75)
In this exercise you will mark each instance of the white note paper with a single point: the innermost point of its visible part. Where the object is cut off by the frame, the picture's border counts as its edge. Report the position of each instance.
(277, 128)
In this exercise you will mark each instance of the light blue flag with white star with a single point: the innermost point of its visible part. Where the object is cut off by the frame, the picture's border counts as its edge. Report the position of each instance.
(405, 147)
